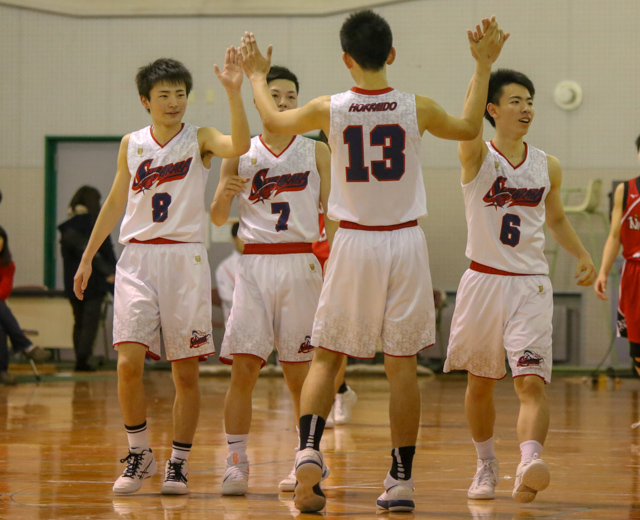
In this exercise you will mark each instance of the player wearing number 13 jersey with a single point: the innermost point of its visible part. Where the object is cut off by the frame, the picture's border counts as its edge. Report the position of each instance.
(162, 278)
(377, 281)
(505, 300)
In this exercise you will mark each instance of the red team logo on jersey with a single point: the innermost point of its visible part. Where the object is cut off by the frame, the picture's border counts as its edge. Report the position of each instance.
(147, 177)
(198, 338)
(501, 196)
(263, 187)
(529, 359)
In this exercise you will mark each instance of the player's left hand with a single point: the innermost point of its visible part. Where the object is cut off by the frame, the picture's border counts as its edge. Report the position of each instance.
(254, 62)
(231, 75)
(585, 271)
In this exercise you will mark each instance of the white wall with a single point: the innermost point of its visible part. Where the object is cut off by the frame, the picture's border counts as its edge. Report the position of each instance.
(70, 76)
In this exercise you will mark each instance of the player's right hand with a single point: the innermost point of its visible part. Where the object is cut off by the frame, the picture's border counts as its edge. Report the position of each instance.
(486, 41)
(601, 287)
(81, 279)
(234, 185)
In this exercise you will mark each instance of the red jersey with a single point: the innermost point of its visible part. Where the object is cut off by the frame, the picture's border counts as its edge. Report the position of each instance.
(630, 224)
(6, 280)
(321, 247)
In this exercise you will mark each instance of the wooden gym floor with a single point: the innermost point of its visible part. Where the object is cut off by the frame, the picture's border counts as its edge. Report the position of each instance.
(60, 445)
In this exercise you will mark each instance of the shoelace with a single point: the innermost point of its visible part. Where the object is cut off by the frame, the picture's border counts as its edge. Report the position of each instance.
(133, 461)
(174, 472)
(486, 474)
(235, 473)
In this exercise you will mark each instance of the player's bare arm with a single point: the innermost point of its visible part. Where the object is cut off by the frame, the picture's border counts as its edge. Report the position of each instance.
(486, 43)
(109, 215)
(562, 230)
(323, 163)
(211, 141)
(230, 185)
(612, 246)
(312, 116)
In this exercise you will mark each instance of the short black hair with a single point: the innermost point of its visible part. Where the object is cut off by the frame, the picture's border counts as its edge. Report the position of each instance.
(500, 79)
(367, 38)
(163, 69)
(234, 229)
(638, 144)
(5, 253)
(278, 72)
(87, 196)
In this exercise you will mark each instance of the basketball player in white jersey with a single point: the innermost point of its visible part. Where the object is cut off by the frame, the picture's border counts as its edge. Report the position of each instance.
(377, 279)
(279, 183)
(163, 277)
(505, 299)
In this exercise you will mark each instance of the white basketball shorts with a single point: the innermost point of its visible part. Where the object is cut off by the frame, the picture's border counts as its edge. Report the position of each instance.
(377, 285)
(496, 313)
(164, 287)
(274, 302)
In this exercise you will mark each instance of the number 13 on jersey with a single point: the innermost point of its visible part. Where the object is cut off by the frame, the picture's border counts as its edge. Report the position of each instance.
(392, 138)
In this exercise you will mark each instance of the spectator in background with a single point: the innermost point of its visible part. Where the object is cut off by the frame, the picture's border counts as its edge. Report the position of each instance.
(75, 232)
(226, 273)
(9, 327)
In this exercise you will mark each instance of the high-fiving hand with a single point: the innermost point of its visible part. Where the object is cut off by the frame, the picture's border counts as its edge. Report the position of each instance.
(254, 62)
(231, 75)
(486, 41)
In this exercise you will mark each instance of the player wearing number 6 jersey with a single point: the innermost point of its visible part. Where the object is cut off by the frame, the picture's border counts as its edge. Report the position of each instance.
(505, 300)
(377, 280)
(163, 277)
(279, 183)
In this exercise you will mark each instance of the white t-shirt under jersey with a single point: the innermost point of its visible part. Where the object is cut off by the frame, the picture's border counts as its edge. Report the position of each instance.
(281, 201)
(376, 176)
(166, 192)
(505, 209)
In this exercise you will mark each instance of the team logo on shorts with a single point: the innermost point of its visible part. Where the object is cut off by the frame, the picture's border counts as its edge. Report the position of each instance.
(198, 338)
(501, 196)
(306, 346)
(530, 359)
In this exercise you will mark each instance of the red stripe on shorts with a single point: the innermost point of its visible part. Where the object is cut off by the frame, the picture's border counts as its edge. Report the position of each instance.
(345, 224)
(156, 241)
(475, 266)
(283, 248)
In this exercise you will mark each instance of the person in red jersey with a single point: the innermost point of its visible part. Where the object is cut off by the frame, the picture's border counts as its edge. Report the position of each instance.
(625, 232)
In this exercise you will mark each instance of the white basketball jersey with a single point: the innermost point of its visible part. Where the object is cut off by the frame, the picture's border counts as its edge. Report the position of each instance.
(281, 201)
(505, 212)
(376, 176)
(166, 192)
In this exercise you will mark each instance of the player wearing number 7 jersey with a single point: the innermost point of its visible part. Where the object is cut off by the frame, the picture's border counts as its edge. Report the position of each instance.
(505, 300)
(279, 183)
(377, 280)
(163, 277)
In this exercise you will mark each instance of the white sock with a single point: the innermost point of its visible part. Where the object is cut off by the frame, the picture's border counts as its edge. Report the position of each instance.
(180, 451)
(530, 448)
(138, 437)
(298, 444)
(238, 444)
(485, 449)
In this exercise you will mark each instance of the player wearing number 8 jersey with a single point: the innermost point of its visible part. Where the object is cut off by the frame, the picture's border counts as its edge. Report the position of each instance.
(505, 300)
(163, 277)
(377, 280)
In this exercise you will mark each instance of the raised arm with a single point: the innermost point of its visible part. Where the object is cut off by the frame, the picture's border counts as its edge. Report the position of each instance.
(213, 142)
(312, 116)
(109, 215)
(230, 185)
(323, 163)
(486, 43)
(612, 246)
(562, 230)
